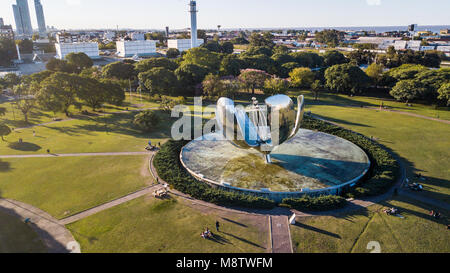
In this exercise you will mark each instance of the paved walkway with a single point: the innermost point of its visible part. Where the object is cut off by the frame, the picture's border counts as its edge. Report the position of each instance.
(74, 155)
(280, 234)
(92, 211)
(55, 236)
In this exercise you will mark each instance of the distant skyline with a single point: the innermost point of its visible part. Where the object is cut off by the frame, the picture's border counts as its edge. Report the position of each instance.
(156, 14)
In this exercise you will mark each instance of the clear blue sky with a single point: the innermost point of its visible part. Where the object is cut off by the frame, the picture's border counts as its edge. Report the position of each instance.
(156, 14)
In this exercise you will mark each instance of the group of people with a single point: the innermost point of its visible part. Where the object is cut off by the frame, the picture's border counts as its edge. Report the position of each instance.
(208, 234)
(391, 211)
(435, 214)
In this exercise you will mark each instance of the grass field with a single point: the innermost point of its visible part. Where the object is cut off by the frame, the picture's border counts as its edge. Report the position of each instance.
(327, 98)
(18, 237)
(65, 186)
(146, 225)
(422, 144)
(111, 133)
(415, 232)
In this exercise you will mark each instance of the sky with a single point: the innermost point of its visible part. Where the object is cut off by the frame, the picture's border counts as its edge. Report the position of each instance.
(156, 14)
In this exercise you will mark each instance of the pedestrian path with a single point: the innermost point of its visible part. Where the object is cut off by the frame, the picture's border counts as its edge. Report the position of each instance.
(74, 155)
(92, 211)
(55, 236)
(280, 234)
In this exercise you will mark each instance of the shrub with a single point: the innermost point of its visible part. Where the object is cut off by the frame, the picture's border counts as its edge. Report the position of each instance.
(321, 203)
(169, 168)
(147, 120)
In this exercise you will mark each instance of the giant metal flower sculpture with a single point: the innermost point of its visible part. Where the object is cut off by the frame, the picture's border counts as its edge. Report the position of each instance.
(260, 126)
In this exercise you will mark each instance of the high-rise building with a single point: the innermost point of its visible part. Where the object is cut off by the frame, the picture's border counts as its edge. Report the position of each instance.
(1, 22)
(40, 17)
(22, 18)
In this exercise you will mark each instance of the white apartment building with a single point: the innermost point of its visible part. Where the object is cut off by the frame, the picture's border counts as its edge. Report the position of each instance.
(182, 44)
(126, 49)
(90, 49)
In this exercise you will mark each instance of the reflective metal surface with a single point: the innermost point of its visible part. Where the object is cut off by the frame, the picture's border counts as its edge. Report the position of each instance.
(260, 126)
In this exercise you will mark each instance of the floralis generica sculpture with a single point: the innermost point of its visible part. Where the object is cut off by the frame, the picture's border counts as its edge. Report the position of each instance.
(260, 126)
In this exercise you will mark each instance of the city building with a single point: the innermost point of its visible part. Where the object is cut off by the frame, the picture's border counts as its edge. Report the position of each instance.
(90, 49)
(183, 44)
(65, 37)
(40, 18)
(1, 22)
(110, 35)
(6, 31)
(22, 18)
(137, 36)
(127, 49)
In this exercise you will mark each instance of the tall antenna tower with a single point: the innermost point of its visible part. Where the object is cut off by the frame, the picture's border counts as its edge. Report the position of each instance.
(193, 10)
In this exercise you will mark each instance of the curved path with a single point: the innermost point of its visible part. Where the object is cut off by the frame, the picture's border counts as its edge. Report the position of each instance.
(55, 236)
(73, 155)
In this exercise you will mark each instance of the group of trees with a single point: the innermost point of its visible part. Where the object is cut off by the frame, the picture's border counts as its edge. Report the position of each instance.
(394, 58)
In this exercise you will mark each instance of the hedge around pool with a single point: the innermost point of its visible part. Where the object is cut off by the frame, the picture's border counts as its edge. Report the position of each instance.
(381, 176)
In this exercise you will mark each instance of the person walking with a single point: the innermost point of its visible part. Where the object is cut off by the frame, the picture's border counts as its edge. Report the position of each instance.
(217, 226)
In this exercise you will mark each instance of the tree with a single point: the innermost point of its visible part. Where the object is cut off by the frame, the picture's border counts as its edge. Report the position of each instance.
(231, 65)
(212, 45)
(253, 78)
(330, 37)
(25, 93)
(275, 86)
(226, 47)
(444, 93)
(58, 92)
(316, 86)
(360, 57)
(2, 111)
(281, 49)
(302, 77)
(266, 39)
(79, 60)
(346, 78)
(308, 59)
(11, 79)
(91, 92)
(231, 88)
(25, 46)
(407, 90)
(333, 57)
(146, 65)
(190, 75)
(4, 131)
(213, 87)
(57, 65)
(159, 80)
(286, 68)
(258, 50)
(119, 70)
(260, 62)
(282, 58)
(375, 72)
(7, 51)
(202, 57)
(172, 53)
(147, 120)
(114, 93)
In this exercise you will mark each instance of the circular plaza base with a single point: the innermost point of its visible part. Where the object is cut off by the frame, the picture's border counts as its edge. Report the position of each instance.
(311, 162)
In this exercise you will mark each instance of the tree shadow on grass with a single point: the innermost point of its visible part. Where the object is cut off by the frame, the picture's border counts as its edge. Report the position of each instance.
(5, 167)
(24, 146)
(340, 121)
(234, 222)
(243, 240)
(318, 230)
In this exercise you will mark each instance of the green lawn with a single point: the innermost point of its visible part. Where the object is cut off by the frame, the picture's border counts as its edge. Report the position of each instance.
(326, 98)
(146, 225)
(416, 232)
(423, 144)
(67, 185)
(111, 133)
(18, 237)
